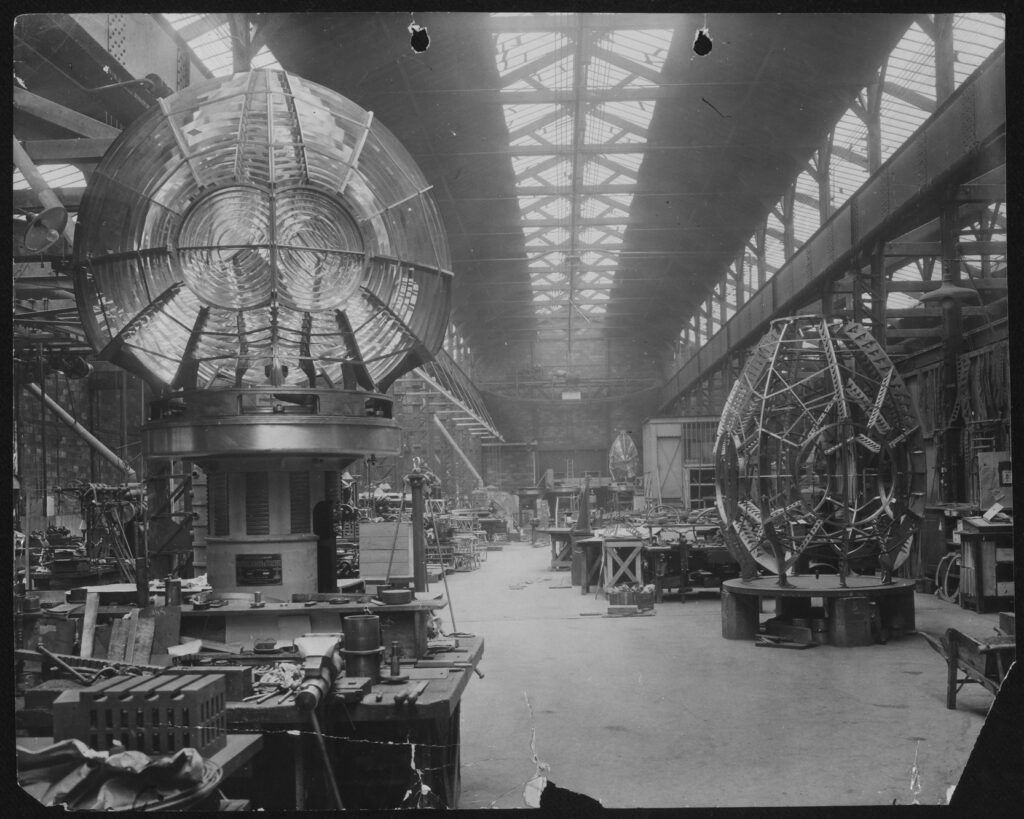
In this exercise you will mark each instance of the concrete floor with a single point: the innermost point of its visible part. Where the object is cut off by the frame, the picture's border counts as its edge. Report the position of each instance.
(662, 712)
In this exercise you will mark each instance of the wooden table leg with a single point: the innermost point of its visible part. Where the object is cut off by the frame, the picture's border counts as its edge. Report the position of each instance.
(300, 774)
(739, 616)
(951, 669)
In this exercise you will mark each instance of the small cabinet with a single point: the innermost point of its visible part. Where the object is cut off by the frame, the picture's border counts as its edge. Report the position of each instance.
(986, 571)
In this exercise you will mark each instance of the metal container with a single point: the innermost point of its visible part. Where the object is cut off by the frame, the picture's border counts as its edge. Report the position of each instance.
(363, 649)
(395, 596)
(172, 592)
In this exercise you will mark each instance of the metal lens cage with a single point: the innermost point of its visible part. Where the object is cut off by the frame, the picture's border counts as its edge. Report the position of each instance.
(261, 230)
(819, 452)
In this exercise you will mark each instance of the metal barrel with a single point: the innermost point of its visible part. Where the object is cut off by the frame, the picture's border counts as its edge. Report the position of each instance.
(172, 591)
(363, 647)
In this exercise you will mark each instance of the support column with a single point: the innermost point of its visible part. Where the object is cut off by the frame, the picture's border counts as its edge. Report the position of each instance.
(760, 237)
(419, 549)
(873, 120)
(738, 279)
(788, 233)
(241, 56)
(945, 57)
(823, 175)
(877, 295)
(42, 436)
(952, 332)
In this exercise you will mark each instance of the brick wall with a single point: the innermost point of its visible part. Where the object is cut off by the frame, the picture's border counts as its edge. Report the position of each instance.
(508, 466)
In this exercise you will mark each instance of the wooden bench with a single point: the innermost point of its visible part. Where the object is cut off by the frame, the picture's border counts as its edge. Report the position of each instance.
(984, 661)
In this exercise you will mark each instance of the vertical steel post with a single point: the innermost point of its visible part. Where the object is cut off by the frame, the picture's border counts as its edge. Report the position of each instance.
(419, 551)
(952, 332)
(42, 432)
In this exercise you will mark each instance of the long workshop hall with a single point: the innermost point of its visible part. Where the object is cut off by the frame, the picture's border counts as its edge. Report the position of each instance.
(492, 410)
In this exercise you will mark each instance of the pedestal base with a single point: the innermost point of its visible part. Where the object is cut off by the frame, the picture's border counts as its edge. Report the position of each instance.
(856, 614)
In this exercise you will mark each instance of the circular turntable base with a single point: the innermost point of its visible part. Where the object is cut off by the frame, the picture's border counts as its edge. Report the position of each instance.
(807, 585)
(853, 615)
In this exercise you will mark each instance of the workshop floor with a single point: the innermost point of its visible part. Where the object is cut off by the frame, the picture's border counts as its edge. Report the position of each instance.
(662, 712)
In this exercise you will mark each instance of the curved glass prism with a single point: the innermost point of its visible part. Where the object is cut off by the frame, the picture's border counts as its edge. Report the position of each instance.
(261, 229)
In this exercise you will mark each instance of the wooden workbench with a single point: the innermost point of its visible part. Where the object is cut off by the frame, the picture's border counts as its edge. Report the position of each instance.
(370, 743)
(592, 551)
(561, 546)
(237, 622)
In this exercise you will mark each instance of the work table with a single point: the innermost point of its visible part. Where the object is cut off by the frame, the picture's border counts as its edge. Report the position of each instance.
(371, 744)
(439, 699)
(241, 624)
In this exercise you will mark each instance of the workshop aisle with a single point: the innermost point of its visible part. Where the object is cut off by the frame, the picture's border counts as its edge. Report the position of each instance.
(662, 712)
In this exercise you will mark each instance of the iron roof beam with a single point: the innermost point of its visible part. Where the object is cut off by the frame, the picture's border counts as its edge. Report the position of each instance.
(25, 199)
(904, 188)
(586, 149)
(61, 116)
(204, 25)
(618, 21)
(67, 151)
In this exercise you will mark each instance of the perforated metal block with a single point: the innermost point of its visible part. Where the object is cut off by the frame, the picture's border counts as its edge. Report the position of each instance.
(155, 715)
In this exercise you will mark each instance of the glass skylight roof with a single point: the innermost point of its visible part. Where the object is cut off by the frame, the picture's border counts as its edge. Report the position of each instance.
(209, 37)
(806, 215)
(908, 99)
(579, 224)
(642, 52)
(56, 176)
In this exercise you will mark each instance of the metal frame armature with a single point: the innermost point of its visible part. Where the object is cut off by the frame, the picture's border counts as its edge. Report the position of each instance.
(818, 452)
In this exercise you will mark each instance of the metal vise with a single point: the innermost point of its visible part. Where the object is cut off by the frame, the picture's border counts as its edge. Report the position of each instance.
(321, 665)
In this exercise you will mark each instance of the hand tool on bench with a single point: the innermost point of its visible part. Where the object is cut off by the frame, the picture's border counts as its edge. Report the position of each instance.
(474, 669)
(456, 664)
(415, 695)
(272, 692)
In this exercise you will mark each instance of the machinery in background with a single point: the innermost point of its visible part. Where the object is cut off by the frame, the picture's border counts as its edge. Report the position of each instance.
(348, 560)
(112, 531)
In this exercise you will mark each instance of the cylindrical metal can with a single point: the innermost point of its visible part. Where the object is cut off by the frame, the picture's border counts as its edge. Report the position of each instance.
(363, 647)
(172, 591)
(396, 663)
